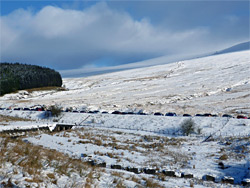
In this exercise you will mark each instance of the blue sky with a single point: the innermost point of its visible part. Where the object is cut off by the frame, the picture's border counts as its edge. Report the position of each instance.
(86, 34)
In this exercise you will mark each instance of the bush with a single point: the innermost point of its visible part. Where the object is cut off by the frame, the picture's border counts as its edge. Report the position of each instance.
(188, 127)
(53, 111)
(223, 157)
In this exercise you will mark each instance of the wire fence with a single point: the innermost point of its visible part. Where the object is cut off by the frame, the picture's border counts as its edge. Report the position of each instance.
(167, 132)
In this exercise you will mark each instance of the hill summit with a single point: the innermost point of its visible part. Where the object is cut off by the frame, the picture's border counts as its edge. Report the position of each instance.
(238, 47)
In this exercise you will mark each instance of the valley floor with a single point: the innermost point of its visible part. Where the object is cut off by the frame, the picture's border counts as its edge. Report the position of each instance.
(107, 150)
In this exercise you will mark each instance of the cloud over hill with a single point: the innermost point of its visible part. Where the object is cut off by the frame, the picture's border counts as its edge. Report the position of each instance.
(96, 36)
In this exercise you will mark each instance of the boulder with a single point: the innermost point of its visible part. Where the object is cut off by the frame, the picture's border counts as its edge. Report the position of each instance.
(245, 182)
(227, 179)
(170, 173)
(187, 175)
(149, 171)
(83, 155)
(101, 165)
(135, 170)
(119, 167)
(222, 166)
(209, 178)
(91, 162)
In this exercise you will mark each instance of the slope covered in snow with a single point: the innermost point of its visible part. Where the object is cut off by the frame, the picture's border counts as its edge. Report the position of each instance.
(235, 48)
(217, 148)
(215, 84)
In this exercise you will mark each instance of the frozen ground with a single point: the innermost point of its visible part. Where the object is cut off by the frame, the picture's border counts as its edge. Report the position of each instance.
(153, 142)
(218, 146)
(215, 84)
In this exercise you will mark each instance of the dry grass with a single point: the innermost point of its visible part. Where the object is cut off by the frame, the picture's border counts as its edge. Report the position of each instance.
(46, 89)
(135, 179)
(116, 174)
(35, 179)
(51, 176)
(161, 176)
(159, 152)
(120, 184)
(52, 88)
(223, 157)
(33, 159)
(4, 118)
(140, 145)
(149, 182)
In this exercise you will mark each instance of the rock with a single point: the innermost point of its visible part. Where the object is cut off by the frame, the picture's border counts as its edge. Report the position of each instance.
(222, 166)
(135, 170)
(119, 167)
(245, 182)
(227, 179)
(169, 173)
(149, 171)
(177, 174)
(101, 165)
(91, 162)
(187, 175)
(83, 155)
(209, 178)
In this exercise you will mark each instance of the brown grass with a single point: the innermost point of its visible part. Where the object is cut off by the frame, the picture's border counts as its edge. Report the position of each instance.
(161, 176)
(223, 157)
(120, 184)
(149, 182)
(111, 155)
(51, 176)
(31, 159)
(4, 118)
(40, 89)
(46, 89)
(154, 145)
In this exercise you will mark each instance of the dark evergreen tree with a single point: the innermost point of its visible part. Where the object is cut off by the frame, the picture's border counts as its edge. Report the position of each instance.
(18, 76)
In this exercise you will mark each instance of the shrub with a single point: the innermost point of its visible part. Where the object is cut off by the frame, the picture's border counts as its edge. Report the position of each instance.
(188, 127)
(223, 157)
(53, 111)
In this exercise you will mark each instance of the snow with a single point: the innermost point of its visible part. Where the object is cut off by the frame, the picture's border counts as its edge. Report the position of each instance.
(127, 130)
(235, 48)
(215, 84)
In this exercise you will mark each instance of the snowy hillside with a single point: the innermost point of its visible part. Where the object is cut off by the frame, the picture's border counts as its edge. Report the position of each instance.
(236, 48)
(215, 84)
(110, 150)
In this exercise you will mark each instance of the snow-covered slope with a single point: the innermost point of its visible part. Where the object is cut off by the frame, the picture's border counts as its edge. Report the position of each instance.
(215, 84)
(219, 147)
(236, 48)
(91, 71)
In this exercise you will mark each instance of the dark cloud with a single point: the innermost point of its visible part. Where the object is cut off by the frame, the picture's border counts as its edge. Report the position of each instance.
(114, 33)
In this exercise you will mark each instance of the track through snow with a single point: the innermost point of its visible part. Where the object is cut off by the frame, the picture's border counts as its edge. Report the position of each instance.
(215, 84)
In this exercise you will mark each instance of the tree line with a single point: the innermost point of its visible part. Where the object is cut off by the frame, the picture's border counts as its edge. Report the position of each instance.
(16, 76)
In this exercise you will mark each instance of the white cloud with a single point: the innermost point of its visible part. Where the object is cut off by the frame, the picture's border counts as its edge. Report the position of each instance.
(64, 38)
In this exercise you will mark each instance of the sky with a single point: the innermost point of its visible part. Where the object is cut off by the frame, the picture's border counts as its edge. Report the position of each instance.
(87, 35)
